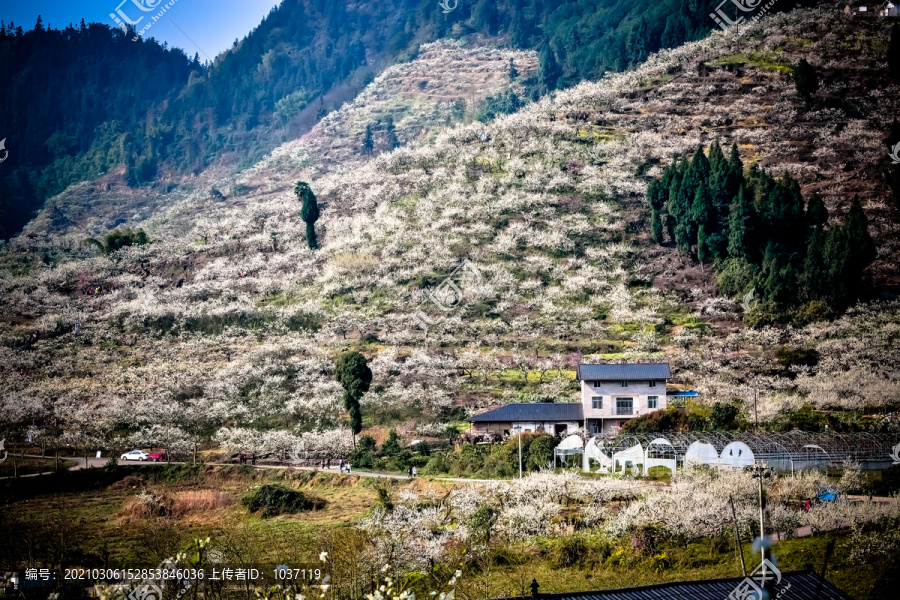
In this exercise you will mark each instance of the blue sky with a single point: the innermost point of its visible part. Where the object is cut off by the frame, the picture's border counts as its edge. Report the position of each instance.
(204, 26)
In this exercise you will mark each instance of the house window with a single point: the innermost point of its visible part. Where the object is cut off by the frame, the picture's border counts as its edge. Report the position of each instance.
(597, 402)
(624, 384)
(652, 383)
(652, 401)
(624, 406)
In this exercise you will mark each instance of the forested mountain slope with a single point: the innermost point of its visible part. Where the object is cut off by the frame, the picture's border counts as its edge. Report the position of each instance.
(105, 101)
(229, 322)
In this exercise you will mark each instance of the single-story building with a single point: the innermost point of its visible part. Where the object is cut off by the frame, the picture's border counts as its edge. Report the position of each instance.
(542, 417)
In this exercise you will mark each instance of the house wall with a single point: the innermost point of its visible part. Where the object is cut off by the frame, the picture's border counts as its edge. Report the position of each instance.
(492, 427)
(638, 391)
(527, 426)
(610, 425)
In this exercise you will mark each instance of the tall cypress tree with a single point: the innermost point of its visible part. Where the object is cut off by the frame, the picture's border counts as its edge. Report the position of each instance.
(656, 229)
(816, 213)
(309, 212)
(549, 70)
(815, 271)
(353, 373)
(893, 53)
(738, 224)
(805, 79)
(368, 141)
(861, 244)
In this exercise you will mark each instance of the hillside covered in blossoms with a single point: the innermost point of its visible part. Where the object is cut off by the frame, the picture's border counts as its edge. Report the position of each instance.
(227, 315)
(401, 233)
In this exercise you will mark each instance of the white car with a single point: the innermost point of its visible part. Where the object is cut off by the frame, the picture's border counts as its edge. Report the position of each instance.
(135, 455)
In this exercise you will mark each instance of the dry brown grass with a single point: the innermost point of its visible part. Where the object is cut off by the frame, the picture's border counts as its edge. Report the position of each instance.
(200, 500)
(162, 504)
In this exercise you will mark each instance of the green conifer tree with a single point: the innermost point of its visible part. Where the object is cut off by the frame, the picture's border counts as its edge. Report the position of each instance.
(805, 79)
(814, 269)
(309, 212)
(738, 224)
(656, 229)
(893, 53)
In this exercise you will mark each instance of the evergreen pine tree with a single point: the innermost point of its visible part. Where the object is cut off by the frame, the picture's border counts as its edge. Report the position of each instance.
(836, 254)
(815, 272)
(861, 243)
(368, 140)
(816, 213)
(893, 53)
(513, 71)
(309, 212)
(716, 157)
(353, 373)
(805, 79)
(702, 209)
(391, 132)
(656, 229)
(738, 224)
(518, 29)
(704, 254)
(549, 70)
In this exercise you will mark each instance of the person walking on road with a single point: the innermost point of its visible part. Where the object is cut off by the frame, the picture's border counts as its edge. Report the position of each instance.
(348, 467)
(410, 471)
(414, 472)
(341, 465)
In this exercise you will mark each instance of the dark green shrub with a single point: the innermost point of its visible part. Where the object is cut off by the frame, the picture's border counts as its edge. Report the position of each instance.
(540, 451)
(363, 456)
(392, 445)
(274, 499)
(482, 521)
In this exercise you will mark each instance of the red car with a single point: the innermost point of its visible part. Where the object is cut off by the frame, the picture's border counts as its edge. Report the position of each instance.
(158, 456)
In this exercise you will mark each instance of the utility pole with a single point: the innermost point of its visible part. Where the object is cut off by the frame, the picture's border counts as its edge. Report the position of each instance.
(755, 407)
(762, 531)
(520, 452)
(518, 430)
(737, 535)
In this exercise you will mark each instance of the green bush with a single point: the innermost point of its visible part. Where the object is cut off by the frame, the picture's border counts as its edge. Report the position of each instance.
(569, 551)
(540, 451)
(363, 456)
(275, 499)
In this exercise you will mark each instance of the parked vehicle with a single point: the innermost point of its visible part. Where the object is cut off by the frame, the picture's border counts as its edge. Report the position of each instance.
(135, 455)
(158, 456)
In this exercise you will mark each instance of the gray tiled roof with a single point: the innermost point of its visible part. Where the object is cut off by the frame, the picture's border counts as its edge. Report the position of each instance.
(543, 411)
(804, 585)
(628, 372)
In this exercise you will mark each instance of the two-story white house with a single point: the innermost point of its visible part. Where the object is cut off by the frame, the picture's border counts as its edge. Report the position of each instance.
(613, 394)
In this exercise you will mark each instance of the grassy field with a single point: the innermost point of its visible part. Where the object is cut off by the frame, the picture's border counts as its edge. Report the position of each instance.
(16, 465)
(101, 524)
